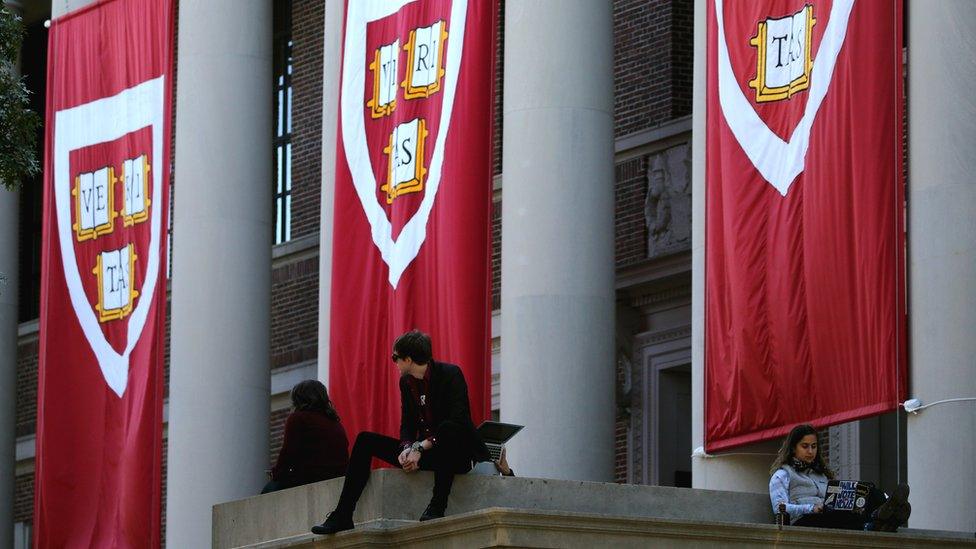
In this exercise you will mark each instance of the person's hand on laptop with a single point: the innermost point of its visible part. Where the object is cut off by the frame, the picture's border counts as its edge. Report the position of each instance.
(502, 464)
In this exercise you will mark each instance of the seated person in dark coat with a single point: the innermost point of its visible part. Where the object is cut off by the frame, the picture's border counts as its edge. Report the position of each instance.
(436, 432)
(315, 446)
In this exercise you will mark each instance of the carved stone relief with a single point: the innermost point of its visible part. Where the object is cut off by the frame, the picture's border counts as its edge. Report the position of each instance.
(667, 209)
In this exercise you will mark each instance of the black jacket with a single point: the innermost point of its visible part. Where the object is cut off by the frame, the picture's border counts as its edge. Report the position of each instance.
(449, 404)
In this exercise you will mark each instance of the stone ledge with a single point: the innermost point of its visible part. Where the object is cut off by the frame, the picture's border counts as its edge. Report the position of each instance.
(393, 495)
(498, 527)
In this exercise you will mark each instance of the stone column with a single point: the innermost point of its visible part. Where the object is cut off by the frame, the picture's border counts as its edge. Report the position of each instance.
(9, 271)
(219, 373)
(557, 331)
(9, 209)
(332, 60)
(746, 469)
(942, 262)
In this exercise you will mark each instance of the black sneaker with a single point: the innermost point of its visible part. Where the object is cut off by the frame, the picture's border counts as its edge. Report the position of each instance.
(432, 512)
(334, 523)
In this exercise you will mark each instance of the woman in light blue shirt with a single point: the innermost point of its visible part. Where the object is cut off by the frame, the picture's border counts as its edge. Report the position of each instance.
(799, 474)
(798, 481)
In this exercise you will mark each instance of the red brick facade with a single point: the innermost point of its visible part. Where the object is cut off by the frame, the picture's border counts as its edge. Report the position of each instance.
(24, 498)
(496, 255)
(308, 19)
(294, 312)
(653, 56)
(26, 388)
(630, 231)
(652, 62)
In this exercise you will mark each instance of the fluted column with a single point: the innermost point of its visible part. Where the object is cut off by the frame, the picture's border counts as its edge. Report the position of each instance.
(942, 262)
(557, 290)
(221, 287)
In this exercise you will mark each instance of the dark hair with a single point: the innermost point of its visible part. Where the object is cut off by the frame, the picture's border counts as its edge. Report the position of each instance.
(312, 396)
(785, 455)
(414, 344)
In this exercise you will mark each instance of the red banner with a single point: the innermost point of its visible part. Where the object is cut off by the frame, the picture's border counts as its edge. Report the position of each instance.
(412, 236)
(805, 288)
(103, 287)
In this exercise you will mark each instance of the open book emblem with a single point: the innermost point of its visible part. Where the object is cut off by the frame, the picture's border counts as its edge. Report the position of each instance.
(107, 177)
(780, 161)
(394, 139)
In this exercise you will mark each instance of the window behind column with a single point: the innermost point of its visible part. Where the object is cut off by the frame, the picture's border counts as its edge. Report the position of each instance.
(281, 185)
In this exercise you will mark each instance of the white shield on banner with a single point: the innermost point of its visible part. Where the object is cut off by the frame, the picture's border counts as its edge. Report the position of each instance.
(102, 121)
(399, 253)
(779, 161)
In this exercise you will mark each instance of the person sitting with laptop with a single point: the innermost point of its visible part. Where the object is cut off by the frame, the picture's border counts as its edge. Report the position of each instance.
(436, 432)
(495, 434)
(494, 467)
(799, 487)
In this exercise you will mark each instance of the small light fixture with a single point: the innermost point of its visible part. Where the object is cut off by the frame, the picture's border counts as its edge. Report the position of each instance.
(912, 405)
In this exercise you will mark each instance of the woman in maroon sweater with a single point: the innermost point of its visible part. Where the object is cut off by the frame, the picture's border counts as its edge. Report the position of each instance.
(315, 446)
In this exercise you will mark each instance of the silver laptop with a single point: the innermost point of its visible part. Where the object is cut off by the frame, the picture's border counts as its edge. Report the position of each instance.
(496, 434)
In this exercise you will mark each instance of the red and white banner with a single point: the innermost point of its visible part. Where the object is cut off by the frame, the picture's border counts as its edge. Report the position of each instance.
(103, 286)
(412, 239)
(805, 288)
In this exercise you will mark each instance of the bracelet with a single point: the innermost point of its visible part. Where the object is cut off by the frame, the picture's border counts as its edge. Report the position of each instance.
(418, 446)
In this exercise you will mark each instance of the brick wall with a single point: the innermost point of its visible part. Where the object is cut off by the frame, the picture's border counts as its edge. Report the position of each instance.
(294, 312)
(630, 228)
(277, 425)
(499, 87)
(682, 56)
(26, 388)
(308, 18)
(496, 207)
(166, 347)
(496, 255)
(24, 498)
(652, 62)
(621, 427)
(162, 492)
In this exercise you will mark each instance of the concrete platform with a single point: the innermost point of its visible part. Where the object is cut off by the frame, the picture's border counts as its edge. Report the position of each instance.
(394, 495)
(526, 512)
(498, 527)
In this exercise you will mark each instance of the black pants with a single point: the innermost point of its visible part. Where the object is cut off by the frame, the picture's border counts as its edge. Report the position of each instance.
(445, 460)
(843, 519)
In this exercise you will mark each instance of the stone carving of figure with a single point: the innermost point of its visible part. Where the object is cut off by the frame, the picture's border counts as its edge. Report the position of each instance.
(657, 207)
(667, 209)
